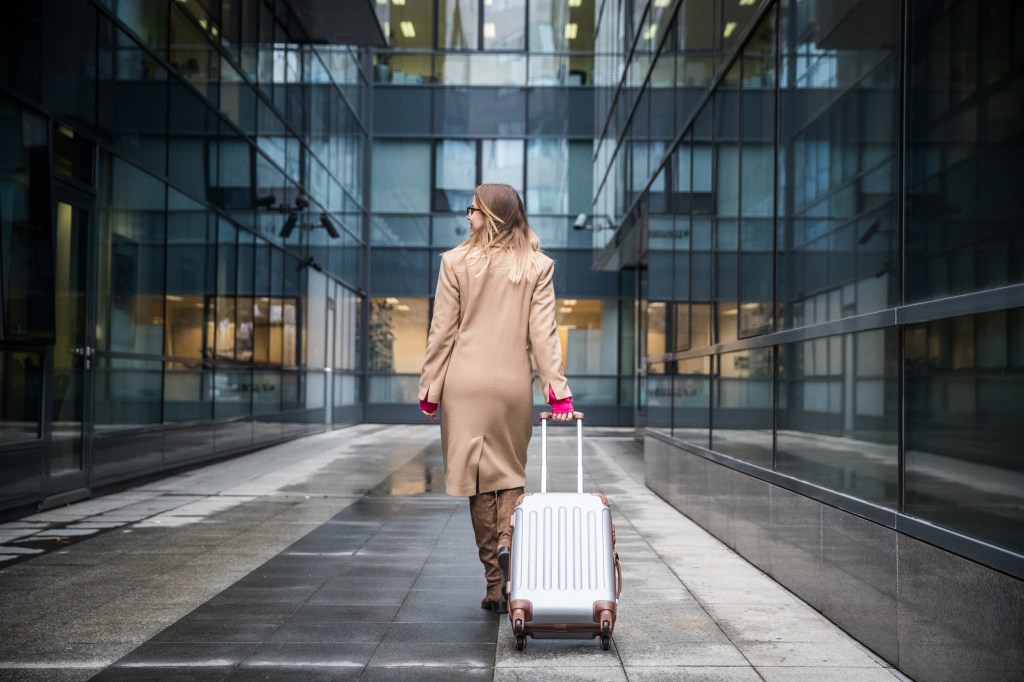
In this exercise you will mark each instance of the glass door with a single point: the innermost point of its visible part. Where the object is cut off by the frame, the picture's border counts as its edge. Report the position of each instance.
(68, 406)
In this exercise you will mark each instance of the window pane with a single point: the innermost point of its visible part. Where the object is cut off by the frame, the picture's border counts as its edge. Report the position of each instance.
(837, 414)
(131, 260)
(742, 419)
(966, 140)
(502, 161)
(692, 401)
(398, 334)
(457, 23)
(128, 392)
(505, 25)
(401, 176)
(548, 168)
(837, 165)
(587, 328)
(21, 379)
(455, 175)
(26, 234)
(965, 386)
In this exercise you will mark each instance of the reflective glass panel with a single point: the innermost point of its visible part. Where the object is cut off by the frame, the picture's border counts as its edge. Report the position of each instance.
(965, 143)
(398, 334)
(21, 378)
(837, 161)
(131, 260)
(741, 414)
(838, 411)
(691, 420)
(964, 391)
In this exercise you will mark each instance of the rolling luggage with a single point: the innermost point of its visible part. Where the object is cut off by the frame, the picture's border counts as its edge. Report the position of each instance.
(564, 573)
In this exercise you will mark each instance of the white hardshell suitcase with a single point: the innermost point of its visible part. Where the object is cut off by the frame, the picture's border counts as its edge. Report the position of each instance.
(564, 574)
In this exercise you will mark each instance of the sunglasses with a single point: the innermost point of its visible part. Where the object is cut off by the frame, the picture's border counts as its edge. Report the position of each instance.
(470, 209)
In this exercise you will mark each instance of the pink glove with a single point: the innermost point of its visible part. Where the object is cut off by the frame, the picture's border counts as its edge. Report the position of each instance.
(559, 405)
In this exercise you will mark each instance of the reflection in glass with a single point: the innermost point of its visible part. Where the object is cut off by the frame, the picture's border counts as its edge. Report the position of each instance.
(741, 415)
(837, 415)
(454, 175)
(128, 392)
(457, 24)
(838, 152)
(547, 188)
(691, 418)
(583, 326)
(21, 379)
(964, 391)
(964, 148)
(398, 334)
(659, 396)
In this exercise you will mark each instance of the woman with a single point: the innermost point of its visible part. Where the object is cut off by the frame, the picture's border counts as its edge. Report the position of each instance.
(494, 311)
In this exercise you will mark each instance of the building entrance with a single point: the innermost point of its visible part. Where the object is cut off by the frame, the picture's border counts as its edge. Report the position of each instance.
(67, 422)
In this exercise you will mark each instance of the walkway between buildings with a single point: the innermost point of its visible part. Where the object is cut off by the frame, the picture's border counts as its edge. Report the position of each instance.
(338, 556)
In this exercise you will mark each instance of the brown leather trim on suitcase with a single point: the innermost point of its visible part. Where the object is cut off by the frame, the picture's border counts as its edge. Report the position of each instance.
(604, 610)
(602, 498)
(524, 605)
(594, 630)
(519, 500)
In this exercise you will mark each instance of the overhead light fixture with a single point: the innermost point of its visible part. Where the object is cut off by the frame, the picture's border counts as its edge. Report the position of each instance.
(571, 30)
(398, 3)
(490, 31)
(408, 30)
(650, 32)
(747, 2)
(575, 3)
(382, 2)
(666, 3)
(729, 28)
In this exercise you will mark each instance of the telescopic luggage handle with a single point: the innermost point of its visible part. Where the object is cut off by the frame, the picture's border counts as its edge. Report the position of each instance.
(544, 417)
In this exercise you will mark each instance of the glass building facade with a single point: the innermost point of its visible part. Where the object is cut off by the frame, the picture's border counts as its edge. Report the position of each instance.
(473, 91)
(823, 201)
(183, 213)
(789, 236)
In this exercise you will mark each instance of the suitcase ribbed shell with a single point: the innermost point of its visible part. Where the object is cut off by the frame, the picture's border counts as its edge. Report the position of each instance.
(562, 558)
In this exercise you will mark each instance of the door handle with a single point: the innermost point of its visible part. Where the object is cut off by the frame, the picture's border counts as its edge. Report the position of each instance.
(85, 352)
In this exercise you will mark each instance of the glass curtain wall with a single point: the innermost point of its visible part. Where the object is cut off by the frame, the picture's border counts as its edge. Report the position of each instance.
(218, 163)
(473, 91)
(831, 242)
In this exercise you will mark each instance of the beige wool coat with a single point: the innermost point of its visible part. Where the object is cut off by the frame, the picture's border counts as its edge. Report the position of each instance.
(484, 334)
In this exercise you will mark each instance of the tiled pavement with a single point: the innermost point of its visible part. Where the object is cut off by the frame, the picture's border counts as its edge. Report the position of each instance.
(338, 557)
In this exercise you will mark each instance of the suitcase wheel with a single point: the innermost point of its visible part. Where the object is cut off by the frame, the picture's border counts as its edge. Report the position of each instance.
(606, 642)
(517, 627)
(520, 642)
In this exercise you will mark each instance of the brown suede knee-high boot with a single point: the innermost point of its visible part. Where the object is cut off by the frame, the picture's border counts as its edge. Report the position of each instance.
(483, 513)
(506, 504)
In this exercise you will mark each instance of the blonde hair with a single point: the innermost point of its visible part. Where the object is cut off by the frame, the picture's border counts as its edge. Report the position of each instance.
(505, 230)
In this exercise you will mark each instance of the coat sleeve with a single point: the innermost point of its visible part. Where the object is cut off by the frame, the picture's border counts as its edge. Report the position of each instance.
(444, 328)
(544, 343)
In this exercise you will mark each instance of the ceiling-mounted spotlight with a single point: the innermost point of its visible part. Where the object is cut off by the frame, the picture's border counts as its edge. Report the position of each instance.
(328, 224)
(266, 202)
(289, 225)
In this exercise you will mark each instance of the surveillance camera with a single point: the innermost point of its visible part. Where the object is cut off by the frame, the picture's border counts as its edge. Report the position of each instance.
(301, 202)
(266, 201)
(581, 222)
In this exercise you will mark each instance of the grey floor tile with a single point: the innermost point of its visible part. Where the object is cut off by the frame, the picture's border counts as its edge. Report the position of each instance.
(185, 654)
(433, 655)
(422, 674)
(441, 635)
(329, 632)
(301, 655)
(693, 674)
(216, 631)
(163, 674)
(345, 613)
